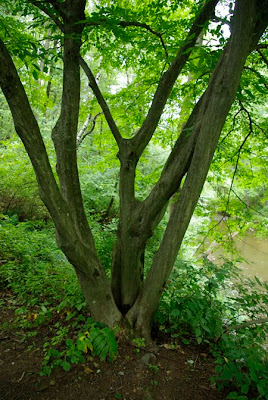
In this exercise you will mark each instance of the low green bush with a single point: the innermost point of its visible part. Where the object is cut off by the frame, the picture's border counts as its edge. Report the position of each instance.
(210, 304)
(36, 271)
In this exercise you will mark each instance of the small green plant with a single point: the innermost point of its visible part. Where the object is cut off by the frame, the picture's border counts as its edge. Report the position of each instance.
(96, 340)
(154, 368)
(139, 342)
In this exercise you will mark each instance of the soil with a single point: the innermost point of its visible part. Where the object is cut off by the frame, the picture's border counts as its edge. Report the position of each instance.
(179, 373)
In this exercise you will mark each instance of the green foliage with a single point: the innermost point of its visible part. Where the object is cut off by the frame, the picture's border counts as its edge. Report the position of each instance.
(93, 339)
(194, 301)
(209, 304)
(35, 270)
(241, 364)
(33, 266)
(139, 343)
(18, 187)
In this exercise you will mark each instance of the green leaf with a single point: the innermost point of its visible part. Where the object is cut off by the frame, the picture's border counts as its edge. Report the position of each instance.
(35, 74)
(66, 366)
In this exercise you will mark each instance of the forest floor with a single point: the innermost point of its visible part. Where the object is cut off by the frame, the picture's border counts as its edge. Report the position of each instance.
(179, 373)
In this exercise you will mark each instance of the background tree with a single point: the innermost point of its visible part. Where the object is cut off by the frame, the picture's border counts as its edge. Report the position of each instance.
(123, 31)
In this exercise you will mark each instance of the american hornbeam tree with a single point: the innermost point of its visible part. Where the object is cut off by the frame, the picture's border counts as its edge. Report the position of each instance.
(129, 297)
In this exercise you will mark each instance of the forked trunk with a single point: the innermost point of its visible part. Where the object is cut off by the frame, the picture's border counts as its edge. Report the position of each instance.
(129, 297)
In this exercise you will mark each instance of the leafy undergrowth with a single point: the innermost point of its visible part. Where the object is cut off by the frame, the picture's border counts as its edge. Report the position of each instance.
(175, 372)
(227, 314)
(45, 283)
(203, 306)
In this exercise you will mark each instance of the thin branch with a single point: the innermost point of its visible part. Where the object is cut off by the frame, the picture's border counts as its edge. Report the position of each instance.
(210, 229)
(148, 28)
(137, 97)
(262, 46)
(49, 13)
(242, 201)
(232, 129)
(251, 123)
(106, 111)
(125, 24)
(254, 247)
(258, 75)
(84, 133)
(235, 171)
(246, 324)
(264, 59)
(236, 164)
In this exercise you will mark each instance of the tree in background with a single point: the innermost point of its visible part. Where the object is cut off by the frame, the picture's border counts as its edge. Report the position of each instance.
(73, 25)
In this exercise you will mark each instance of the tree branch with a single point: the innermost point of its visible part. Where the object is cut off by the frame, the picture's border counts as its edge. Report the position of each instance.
(214, 108)
(259, 75)
(51, 13)
(106, 111)
(168, 79)
(29, 132)
(246, 205)
(92, 81)
(233, 126)
(148, 28)
(125, 24)
(238, 152)
(173, 172)
(64, 134)
(84, 133)
(246, 324)
(264, 59)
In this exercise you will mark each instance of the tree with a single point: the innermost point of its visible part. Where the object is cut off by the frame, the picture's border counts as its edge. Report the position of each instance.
(129, 297)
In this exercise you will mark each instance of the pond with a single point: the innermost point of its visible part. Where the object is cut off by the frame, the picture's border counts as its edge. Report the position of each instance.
(255, 252)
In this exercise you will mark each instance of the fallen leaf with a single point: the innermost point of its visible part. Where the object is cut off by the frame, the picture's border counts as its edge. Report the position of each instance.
(88, 370)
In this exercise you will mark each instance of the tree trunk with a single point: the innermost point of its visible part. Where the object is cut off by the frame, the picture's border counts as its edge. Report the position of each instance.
(127, 264)
(191, 157)
(213, 111)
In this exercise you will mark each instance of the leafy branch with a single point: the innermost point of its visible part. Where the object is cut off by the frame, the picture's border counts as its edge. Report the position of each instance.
(258, 74)
(102, 102)
(246, 324)
(248, 206)
(125, 24)
(232, 128)
(238, 154)
(50, 12)
(264, 59)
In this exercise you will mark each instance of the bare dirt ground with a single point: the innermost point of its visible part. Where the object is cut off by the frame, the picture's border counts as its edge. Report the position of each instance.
(182, 373)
